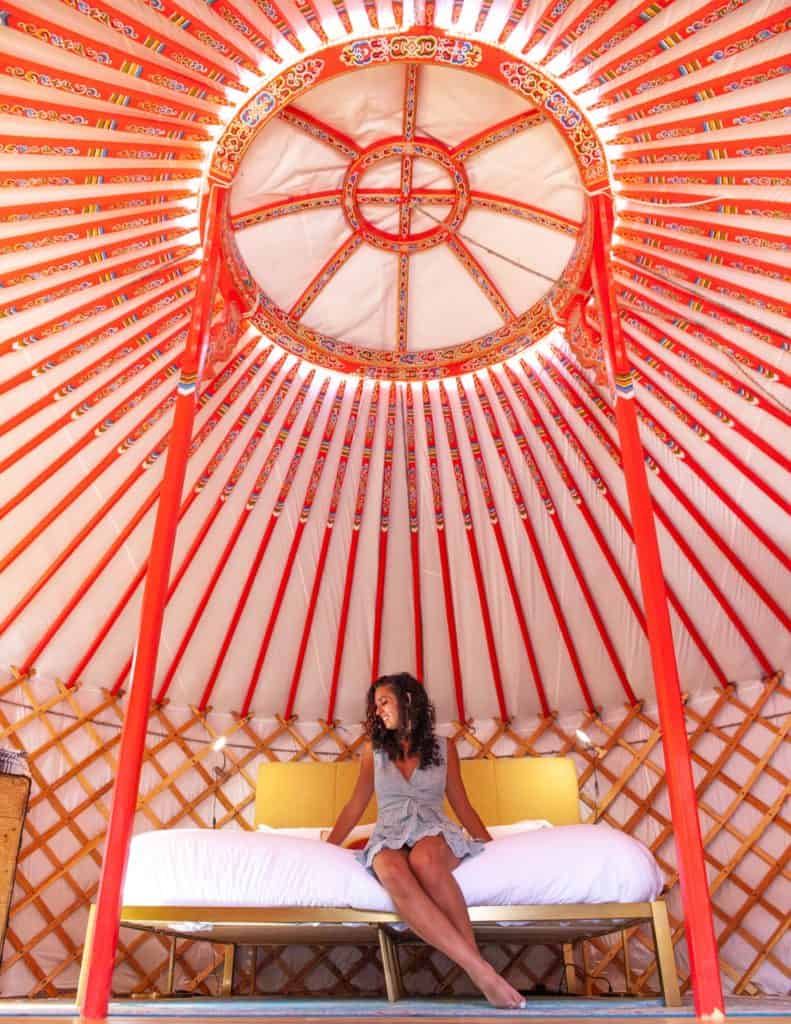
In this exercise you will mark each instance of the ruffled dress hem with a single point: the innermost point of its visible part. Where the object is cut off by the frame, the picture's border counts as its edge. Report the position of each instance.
(459, 845)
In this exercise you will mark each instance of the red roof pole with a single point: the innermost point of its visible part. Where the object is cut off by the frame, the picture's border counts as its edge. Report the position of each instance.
(119, 831)
(702, 945)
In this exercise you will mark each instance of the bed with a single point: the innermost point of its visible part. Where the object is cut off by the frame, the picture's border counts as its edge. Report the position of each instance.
(554, 884)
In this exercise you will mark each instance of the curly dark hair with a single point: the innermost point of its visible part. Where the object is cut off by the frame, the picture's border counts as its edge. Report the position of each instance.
(417, 716)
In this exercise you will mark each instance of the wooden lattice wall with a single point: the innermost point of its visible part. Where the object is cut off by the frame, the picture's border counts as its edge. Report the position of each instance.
(71, 738)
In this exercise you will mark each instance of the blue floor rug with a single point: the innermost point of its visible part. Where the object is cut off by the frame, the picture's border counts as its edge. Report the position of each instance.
(349, 1009)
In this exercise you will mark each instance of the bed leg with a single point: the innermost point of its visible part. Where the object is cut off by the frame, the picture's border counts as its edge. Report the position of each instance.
(586, 969)
(229, 962)
(665, 958)
(86, 955)
(254, 971)
(390, 965)
(570, 969)
(627, 961)
(171, 976)
(397, 969)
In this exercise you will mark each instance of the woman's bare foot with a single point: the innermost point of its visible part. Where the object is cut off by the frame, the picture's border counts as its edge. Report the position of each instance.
(497, 990)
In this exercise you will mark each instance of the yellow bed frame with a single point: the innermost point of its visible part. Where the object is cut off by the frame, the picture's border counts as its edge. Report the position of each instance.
(502, 790)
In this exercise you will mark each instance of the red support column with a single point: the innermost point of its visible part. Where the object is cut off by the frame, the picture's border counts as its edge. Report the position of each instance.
(702, 945)
(119, 832)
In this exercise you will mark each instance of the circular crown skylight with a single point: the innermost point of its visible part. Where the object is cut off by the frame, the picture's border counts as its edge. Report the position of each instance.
(407, 220)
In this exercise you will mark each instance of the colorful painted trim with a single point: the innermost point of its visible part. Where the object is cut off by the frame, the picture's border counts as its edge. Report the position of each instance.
(624, 385)
(188, 383)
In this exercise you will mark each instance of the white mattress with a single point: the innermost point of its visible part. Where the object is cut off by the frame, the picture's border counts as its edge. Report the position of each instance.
(202, 868)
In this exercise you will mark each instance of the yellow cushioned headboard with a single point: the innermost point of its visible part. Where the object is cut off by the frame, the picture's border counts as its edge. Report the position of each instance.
(502, 790)
(508, 789)
(306, 795)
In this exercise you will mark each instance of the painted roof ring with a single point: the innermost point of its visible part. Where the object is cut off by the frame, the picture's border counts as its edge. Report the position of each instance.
(417, 46)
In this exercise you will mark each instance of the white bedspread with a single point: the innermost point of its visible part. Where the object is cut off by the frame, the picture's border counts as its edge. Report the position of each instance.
(201, 868)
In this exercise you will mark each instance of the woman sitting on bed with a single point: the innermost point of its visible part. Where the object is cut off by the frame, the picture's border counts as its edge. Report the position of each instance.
(415, 847)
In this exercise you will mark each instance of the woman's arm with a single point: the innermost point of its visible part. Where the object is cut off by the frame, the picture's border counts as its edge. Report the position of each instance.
(353, 810)
(459, 801)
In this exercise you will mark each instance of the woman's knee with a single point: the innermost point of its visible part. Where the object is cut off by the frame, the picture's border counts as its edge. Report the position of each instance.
(392, 868)
(428, 859)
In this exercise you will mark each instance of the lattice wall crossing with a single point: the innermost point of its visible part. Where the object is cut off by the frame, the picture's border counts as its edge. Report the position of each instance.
(740, 744)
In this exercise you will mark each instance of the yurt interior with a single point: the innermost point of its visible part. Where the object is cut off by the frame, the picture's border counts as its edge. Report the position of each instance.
(396, 510)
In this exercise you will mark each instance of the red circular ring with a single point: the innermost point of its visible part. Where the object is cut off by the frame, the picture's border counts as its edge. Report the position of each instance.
(396, 147)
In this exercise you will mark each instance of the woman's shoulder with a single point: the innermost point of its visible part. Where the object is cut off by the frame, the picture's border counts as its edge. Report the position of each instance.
(369, 751)
(447, 749)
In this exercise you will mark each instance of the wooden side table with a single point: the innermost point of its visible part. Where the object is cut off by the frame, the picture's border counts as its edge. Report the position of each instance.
(14, 790)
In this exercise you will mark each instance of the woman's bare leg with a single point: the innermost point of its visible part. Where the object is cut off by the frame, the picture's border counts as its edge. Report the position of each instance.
(426, 920)
(432, 862)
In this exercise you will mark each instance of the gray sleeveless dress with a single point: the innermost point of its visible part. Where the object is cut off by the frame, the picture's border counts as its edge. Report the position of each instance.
(409, 810)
